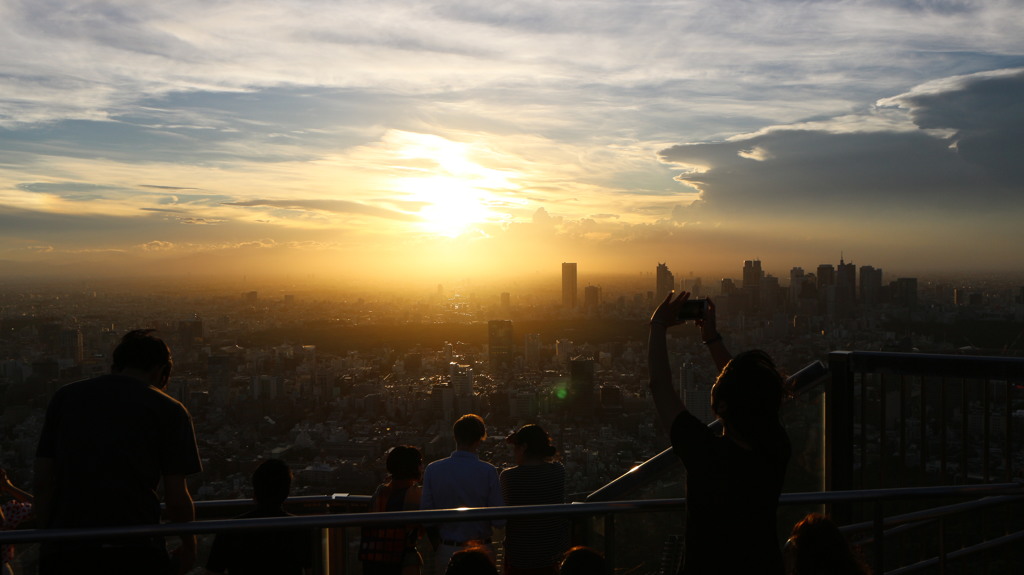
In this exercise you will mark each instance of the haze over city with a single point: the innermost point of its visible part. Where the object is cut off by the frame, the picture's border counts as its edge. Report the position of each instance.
(435, 139)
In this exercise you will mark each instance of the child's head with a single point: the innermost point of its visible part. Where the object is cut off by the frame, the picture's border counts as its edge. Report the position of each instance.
(404, 462)
(271, 482)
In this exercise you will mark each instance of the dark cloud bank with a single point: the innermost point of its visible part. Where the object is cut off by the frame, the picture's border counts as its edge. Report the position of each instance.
(966, 156)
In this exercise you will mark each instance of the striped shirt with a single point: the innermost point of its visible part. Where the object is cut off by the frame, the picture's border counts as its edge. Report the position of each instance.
(532, 542)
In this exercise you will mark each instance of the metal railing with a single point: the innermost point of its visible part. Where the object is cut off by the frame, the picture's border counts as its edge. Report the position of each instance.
(879, 529)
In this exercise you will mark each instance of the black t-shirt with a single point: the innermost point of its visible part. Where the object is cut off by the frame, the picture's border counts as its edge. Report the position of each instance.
(731, 498)
(277, 552)
(112, 438)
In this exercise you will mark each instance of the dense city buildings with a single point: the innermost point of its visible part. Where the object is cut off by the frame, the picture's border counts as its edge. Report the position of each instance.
(328, 381)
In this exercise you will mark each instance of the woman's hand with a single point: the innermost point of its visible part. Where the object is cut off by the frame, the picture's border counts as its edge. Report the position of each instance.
(667, 313)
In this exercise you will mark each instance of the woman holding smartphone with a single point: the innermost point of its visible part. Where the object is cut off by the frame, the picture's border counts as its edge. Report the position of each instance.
(733, 480)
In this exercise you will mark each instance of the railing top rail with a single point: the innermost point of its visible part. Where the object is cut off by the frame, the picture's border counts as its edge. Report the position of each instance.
(493, 513)
(929, 364)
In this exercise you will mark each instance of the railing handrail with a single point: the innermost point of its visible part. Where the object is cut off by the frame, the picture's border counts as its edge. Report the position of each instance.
(931, 364)
(483, 513)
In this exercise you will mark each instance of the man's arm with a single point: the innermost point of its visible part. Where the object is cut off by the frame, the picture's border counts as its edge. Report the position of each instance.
(44, 483)
(178, 502)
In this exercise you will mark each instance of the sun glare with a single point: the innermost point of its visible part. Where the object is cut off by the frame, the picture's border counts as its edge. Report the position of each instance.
(455, 191)
(451, 206)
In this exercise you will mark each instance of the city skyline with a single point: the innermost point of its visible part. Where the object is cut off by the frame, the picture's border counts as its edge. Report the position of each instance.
(428, 140)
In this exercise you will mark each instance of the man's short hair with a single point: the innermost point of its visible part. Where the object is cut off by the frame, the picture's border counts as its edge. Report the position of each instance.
(403, 462)
(141, 349)
(469, 429)
(271, 482)
(471, 561)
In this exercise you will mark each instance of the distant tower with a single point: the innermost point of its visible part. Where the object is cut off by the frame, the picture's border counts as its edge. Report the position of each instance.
(591, 297)
(462, 378)
(72, 345)
(500, 344)
(531, 353)
(751, 287)
(569, 285)
(870, 285)
(665, 282)
(826, 289)
(905, 293)
(581, 386)
(826, 276)
(796, 280)
(846, 288)
(752, 274)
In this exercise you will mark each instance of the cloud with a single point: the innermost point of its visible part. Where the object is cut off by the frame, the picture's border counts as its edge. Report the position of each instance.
(157, 246)
(331, 206)
(962, 156)
(202, 221)
(984, 112)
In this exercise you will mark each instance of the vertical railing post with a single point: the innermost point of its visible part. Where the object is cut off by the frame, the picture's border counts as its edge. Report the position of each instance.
(942, 546)
(839, 430)
(609, 541)
(879, 535)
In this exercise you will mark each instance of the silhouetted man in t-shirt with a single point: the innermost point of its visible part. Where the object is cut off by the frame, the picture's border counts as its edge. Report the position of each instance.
(107, 444)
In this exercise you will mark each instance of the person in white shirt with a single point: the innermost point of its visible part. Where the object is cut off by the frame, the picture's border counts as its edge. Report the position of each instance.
(462, 480)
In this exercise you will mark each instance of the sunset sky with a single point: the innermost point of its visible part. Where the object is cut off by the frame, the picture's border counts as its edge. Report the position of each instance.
(424, 139)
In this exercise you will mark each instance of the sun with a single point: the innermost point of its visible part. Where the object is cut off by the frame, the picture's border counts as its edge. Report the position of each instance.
(454, 192)
(451, 206)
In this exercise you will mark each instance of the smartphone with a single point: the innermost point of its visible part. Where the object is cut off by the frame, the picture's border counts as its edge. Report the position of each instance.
(693, 309)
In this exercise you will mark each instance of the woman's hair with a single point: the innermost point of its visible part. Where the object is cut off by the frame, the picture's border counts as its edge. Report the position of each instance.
(817, 546)
(403, 462)
(536, 440)
(748, 393)
(581, 560)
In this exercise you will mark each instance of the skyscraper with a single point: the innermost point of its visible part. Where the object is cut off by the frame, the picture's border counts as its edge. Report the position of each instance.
(751, 287)
(846, 288)
(531, 352)
(500, 344)
(569, 285)
(796, 280)
(591, 298)
(870, 285)
(581, 386)
(665, 282)
(826, 289)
